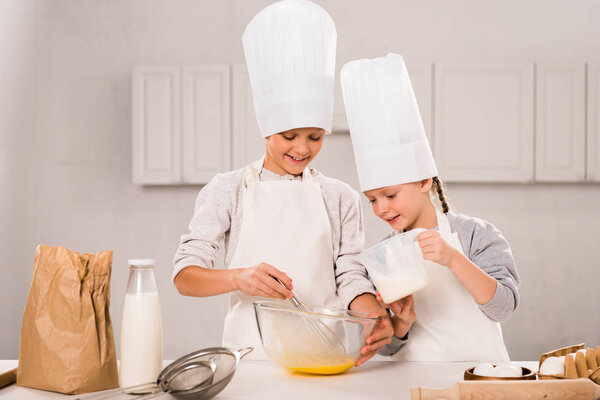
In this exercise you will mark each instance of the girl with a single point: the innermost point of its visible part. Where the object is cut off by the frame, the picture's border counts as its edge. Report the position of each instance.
(473, 282)
(277, 218)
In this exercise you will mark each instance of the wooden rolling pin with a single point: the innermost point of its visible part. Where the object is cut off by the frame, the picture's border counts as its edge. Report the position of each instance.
(8, 378)
(577, 389)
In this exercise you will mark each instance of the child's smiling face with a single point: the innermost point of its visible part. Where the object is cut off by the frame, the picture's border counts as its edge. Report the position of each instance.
(400, 206)
(291, 151)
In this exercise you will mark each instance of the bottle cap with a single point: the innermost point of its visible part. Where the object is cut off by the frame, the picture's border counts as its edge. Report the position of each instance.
(141, 262)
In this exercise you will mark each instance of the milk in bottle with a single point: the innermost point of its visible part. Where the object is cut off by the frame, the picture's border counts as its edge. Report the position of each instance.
(141, 328)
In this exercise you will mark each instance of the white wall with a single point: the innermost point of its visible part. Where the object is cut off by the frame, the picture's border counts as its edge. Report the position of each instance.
(18, 165)
(65, 145)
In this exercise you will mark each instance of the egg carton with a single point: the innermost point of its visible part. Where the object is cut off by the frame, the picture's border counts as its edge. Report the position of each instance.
(577, 363)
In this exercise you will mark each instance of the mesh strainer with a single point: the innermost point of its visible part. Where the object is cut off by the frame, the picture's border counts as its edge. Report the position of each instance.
(198, 375)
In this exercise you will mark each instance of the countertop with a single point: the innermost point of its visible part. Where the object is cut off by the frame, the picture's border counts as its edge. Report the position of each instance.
(265, 380)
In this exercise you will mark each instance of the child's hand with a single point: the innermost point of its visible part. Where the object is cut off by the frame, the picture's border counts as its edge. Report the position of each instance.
(260, 280)
(435, 248)
(380, 336)
(404, 314)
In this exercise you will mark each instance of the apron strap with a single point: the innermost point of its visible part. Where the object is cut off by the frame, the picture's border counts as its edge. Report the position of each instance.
(444, 228)
(251, 176)
(306, 176)
(443, 224)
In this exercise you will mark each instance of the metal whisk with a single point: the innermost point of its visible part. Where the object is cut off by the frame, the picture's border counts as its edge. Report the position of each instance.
(327, 344)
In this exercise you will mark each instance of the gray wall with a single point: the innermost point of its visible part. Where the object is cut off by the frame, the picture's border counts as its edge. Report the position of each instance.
(65, 145)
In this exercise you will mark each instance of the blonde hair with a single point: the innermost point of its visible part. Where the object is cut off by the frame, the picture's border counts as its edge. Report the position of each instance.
(438, 187)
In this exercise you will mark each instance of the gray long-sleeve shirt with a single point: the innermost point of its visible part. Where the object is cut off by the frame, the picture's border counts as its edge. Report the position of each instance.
(217, 221)
(485, 246)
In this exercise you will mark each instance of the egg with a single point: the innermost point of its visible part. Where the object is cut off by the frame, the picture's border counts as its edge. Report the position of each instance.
(484, 369)
(509, 370)
(553, 366)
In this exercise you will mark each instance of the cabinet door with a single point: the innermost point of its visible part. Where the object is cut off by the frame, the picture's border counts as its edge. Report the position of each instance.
(206, 134)
(156, 125)
(560, 122)
(484, 122)
(248, 143)
(340, 122)
(593, 115)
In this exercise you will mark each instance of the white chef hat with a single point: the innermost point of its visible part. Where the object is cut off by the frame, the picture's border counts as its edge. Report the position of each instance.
(290, 54)
(388, 137)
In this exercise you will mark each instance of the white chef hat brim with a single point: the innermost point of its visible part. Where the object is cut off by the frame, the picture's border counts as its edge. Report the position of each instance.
(280, 116)
(392, 166)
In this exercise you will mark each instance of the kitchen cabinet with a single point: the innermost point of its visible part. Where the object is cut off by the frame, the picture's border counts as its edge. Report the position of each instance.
(180, 124)
(156, 137)
(248, 143)
(560, 122)
(206, 122)
(340, 122)
(593, 122)
(484, 122)
(492, 122)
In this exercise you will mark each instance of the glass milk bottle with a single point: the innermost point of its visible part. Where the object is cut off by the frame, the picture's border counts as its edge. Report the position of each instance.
(141, 327)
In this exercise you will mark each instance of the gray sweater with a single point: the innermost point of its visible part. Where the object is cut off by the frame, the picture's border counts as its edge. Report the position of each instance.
(485, 246)
(217, 221)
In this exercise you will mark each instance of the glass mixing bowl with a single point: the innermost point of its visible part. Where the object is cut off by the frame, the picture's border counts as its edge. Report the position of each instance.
(325, 341)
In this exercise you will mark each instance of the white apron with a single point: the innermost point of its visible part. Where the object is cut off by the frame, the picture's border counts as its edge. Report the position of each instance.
(449, 325)
(285, 224)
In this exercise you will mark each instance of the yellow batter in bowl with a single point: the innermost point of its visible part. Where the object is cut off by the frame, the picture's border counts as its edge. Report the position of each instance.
(325, 369)
(314, 364)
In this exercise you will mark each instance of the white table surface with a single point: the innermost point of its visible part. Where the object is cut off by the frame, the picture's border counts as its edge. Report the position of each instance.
(265, 380)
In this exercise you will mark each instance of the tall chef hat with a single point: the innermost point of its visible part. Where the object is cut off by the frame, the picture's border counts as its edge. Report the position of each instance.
(290, 54)
(388, 137)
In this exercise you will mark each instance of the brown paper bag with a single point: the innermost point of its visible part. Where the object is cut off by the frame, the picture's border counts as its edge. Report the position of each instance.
(67, 342)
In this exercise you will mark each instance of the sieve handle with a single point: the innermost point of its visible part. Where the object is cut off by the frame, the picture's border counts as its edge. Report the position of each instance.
(117, 391)
(244, 351)
(151, 395)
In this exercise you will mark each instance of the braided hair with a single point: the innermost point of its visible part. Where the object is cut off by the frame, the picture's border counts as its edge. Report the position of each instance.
(438, 187)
